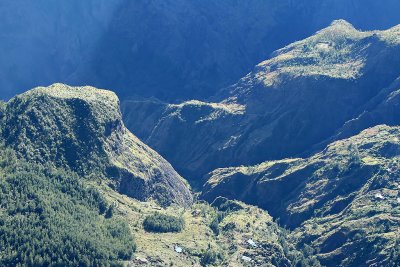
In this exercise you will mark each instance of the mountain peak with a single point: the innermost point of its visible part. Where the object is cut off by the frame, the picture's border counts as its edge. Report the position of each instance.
(341, 23)
(61, 90)
(103, 103)
(338, 32)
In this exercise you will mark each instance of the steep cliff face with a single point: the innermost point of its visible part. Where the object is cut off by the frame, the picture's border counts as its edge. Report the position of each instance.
(289, 103)
(382, 109)
(338, 200)
(169, 49)
(80, 128)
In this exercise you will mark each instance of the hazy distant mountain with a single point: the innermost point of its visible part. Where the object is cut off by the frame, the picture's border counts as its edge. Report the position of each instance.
(168, 49)
(288, 104)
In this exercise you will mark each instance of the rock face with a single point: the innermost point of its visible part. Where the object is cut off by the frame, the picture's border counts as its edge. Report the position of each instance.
(170, 49)
(81, 128)
(338, 200)
(297, 99)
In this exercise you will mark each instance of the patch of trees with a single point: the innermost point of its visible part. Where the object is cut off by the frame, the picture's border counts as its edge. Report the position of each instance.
(163, 223)
(49, 217)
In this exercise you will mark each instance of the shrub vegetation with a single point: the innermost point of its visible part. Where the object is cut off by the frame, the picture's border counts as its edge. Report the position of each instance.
(162, 223)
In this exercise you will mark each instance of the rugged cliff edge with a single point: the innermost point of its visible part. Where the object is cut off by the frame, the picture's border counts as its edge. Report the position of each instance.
(80, 128)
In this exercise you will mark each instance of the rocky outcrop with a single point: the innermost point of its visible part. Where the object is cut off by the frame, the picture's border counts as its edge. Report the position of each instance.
(80, 128)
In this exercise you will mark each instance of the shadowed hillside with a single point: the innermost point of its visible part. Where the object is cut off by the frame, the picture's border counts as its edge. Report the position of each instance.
(169, 49)
(299, 98)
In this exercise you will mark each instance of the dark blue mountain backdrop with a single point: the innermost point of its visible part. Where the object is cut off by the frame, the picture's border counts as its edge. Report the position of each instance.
(172, 50)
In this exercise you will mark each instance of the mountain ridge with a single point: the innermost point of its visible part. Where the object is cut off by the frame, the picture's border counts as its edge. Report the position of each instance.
(350, 187)
(289, 103)
(175, 50)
